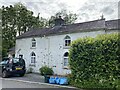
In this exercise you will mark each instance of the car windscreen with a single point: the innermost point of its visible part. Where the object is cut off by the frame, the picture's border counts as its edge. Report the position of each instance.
(18, 61)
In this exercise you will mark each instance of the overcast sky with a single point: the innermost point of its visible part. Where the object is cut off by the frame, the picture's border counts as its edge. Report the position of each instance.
(86, 10)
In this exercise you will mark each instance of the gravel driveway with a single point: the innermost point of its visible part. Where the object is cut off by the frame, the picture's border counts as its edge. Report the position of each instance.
(30, 77)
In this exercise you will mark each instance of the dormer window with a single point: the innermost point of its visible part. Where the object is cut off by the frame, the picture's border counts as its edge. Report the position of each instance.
(67, 41)
(33, 43)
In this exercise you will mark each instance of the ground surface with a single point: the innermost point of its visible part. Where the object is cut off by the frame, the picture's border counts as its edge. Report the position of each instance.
(29, 81)
(17, 84)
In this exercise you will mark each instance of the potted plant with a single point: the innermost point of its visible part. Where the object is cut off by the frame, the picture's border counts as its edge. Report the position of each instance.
(46, 72)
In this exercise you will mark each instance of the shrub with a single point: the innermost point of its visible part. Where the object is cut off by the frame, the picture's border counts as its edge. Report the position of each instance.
(30, 70)
(95, 62)
(46, 70)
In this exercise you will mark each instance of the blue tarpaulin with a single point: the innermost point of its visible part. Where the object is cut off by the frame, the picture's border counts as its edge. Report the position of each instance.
(58, 80)
(52, 80)
(63, 81)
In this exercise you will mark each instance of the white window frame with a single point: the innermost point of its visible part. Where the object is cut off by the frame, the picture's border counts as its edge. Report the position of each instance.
(67, 41)
(65, 66)
(33, 43)
(33, 58)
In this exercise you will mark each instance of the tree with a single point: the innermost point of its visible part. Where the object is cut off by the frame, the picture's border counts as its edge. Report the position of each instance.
(69, 18)
(24, 18)
(15, 19)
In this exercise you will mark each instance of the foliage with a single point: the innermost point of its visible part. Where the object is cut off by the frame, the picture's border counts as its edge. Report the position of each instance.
(15, 19)
(95, 62)
(46, 70)
(30, 70)
(69, 18)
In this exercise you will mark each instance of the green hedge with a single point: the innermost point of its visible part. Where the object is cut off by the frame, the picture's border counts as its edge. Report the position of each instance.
(95, 62)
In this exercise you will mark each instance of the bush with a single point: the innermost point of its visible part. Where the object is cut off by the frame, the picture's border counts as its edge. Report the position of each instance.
(30, 70)
(46, 70)
(95, 62)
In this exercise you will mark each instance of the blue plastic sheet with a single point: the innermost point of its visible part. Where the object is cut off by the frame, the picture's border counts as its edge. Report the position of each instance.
(52, 80)
(63, 81)
(58, 80)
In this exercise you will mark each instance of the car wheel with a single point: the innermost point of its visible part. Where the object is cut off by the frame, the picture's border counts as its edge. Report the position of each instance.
(4, 74)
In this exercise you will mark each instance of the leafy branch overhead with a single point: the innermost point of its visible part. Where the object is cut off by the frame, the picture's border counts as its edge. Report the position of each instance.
(16, 19)
(69, 18)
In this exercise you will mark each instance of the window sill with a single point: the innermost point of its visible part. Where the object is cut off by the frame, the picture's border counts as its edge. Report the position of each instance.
(32, 65)
(66, 67)
(66, 47)
(33, 48)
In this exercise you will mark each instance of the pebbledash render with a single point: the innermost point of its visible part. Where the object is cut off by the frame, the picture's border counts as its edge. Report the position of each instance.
(50, 46)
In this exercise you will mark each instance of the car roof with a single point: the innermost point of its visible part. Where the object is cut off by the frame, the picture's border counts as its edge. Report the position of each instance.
(5, 58)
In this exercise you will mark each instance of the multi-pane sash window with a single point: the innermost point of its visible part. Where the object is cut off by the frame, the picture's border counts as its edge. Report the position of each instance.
(67, 41)
(33, 57)
(65, 63)
(33, 42)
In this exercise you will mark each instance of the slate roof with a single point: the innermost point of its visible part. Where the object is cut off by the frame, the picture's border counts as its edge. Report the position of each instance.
(113, 24)
(71, 28)
(12, 49)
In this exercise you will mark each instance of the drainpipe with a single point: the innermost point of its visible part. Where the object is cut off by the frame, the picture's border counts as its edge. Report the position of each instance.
(48, 46)
(48, 50)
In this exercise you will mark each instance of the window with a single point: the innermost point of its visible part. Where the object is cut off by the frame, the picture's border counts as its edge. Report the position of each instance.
(33, 57)
(67, 41)
(33, 42)
(65, 63)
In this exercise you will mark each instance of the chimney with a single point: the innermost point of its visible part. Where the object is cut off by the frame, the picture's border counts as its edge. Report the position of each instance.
(102, 17)
(59, 21)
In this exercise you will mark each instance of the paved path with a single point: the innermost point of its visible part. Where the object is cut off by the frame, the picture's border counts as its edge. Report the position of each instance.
(33, 79)
(17, 84)
(30, 77)
(11, 84)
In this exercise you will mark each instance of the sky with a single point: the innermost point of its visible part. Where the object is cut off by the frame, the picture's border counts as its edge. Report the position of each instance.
(87, 10)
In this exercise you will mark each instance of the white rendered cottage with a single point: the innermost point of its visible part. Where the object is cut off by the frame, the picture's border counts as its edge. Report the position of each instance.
(50, 46)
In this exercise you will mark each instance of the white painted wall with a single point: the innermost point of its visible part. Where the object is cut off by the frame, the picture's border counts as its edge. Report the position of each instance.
(49, 50)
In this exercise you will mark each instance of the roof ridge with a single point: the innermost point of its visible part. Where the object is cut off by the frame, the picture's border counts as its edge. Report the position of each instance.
(70, 28)
(86, 22)
(112, 20)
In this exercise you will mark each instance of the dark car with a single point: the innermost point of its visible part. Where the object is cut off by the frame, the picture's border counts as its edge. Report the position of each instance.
(12, 66)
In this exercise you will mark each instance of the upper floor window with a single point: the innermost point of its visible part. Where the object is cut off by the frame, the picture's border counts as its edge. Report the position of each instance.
(67, 41)
(33, 42)
(33, 57)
